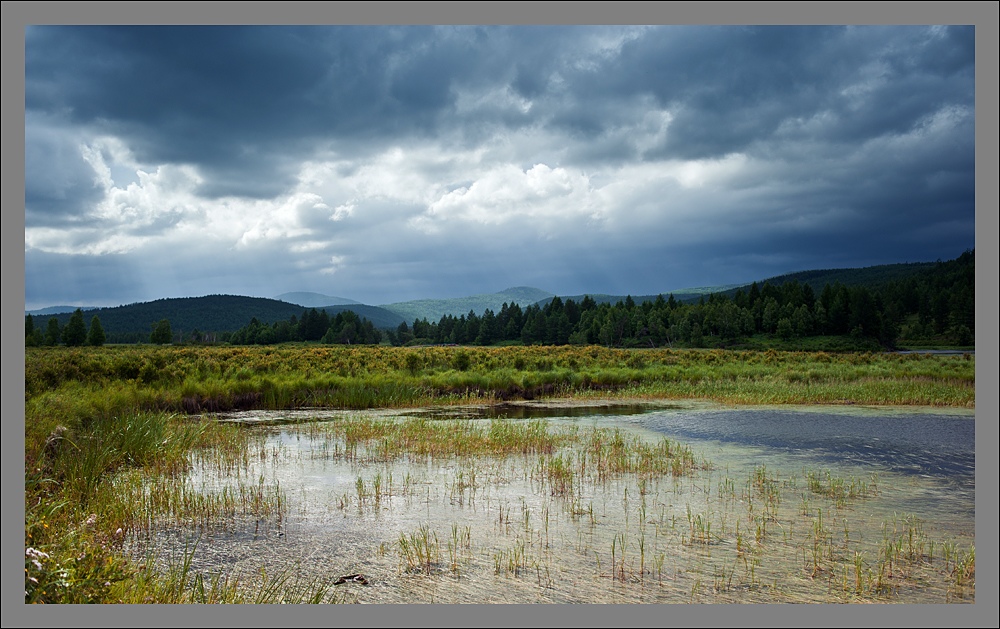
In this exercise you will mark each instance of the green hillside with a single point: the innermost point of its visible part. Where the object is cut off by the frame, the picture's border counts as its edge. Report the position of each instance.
(209, 314)
(434, 309)
(683, 295)
(314, 300)
(918, 304)
(379, 316)
(56, 310)
(870, 276)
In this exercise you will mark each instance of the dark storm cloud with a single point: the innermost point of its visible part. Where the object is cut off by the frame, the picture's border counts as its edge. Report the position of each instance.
(227, 99)
(249, 99)
(246, 97)
(733, 88)
(60, 180)
(368, 161)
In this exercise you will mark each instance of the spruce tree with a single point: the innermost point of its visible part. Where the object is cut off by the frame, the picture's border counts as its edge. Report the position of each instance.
(53, 332)
(95, 336)
(75, 333)
(162, 333)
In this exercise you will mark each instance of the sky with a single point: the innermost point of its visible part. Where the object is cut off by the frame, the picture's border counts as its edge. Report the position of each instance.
(389, 163)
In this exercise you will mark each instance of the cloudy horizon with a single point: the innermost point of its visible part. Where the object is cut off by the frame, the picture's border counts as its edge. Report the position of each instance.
(389, 163)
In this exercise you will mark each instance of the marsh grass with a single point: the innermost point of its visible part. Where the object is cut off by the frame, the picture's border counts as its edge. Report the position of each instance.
(109, 446)
(738, 545)
(216, 379)
(842, 490)
(420, 550)
(177, 583)
(742, 537)
(111, 476)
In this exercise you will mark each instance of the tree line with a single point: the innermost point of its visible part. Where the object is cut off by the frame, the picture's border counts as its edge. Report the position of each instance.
(936, 305)
(73, 334)
(345, 328)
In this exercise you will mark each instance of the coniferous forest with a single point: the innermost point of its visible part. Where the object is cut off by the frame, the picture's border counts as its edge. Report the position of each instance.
(932, 306)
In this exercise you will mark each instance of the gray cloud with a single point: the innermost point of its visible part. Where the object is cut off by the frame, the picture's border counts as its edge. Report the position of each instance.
(388, 163)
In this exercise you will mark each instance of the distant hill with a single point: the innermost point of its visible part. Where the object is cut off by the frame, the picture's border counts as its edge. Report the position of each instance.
(212, 313)
(314, 300)
(216, 313)
(684, 295)
(434, 309)
(379, 316)
(53, 310)
(869, 276)
(703, 290)
(227, 313)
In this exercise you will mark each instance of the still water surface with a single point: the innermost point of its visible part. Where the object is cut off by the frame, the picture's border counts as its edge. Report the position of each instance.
(505, 537)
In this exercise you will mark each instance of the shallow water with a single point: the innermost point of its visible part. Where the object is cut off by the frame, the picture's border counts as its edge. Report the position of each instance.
(495, 531)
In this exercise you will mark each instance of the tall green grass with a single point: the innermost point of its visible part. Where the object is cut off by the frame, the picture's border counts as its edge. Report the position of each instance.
(214, 379)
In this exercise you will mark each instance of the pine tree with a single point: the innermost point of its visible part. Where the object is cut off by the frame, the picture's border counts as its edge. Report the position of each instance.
(53, 332)
(32, 335)
(162, 333)
(95, 336)
(75, 333)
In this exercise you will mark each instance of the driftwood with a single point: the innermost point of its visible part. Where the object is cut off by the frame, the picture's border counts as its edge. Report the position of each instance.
(352, 578)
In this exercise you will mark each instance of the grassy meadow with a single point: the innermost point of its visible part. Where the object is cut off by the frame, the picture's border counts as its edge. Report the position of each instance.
(111, 431)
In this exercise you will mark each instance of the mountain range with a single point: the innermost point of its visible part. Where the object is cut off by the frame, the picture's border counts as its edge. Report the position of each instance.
(222, 313)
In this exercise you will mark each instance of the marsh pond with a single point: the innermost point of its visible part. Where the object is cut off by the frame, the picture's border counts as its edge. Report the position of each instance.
(559, 502)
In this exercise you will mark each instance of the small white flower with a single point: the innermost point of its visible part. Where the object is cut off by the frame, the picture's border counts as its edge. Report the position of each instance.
(35, 554)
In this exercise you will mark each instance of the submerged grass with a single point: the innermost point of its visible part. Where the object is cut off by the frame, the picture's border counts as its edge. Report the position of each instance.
(179, 584)
(749, 543)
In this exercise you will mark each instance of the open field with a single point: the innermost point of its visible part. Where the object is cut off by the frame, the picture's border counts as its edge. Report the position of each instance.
(110, 453)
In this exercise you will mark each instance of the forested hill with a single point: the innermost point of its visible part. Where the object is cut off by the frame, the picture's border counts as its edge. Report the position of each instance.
(933, 304)
(209, 314)
(870, 276)
(682, 295)
(434, 309)
(873, 277)
(315, 300)
(907, 303)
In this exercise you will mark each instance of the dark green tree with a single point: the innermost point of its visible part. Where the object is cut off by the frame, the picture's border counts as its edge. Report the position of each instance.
(802, 320)
(403, 334)
(785, 329)
(162, 333)
(313, 325)
(32, 335)
(53, 332)
(95, 335)
(772, 312)
(489, 329)
(75, 332)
